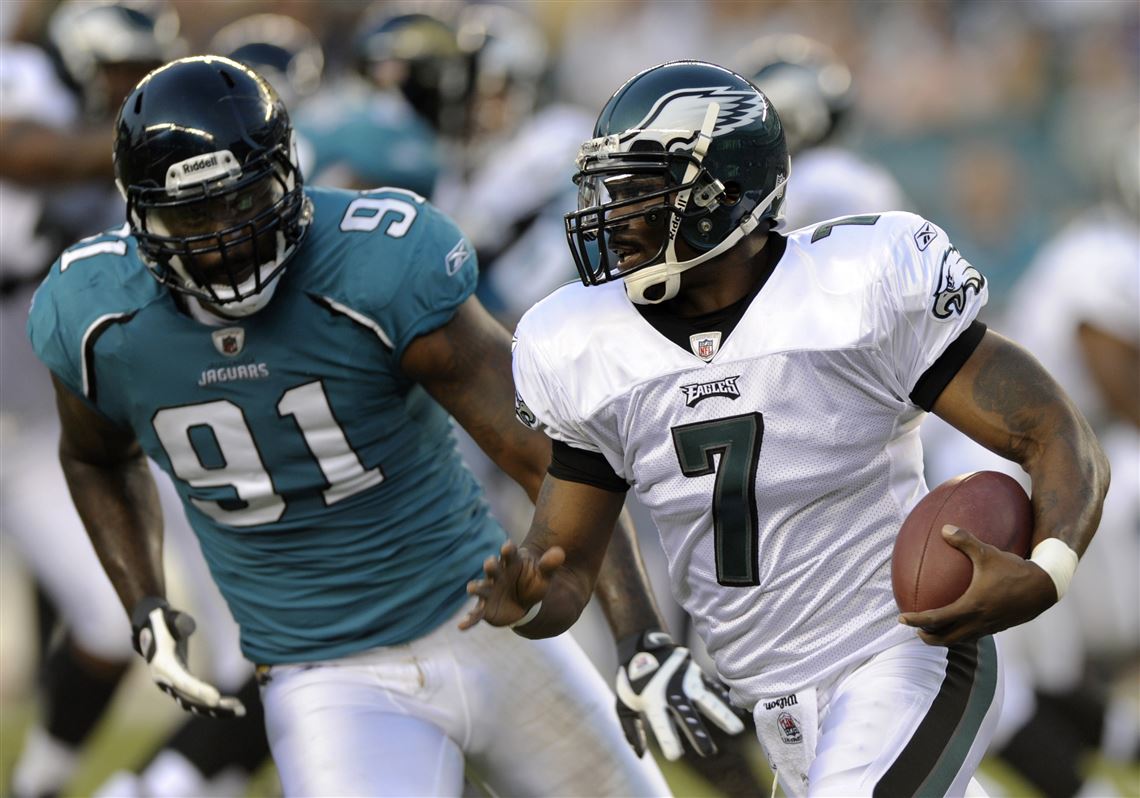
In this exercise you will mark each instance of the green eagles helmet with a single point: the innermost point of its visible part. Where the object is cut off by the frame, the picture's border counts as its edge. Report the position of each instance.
(689, 148)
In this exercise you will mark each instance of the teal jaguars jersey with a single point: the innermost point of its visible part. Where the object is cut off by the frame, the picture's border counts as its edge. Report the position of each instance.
(324, 485)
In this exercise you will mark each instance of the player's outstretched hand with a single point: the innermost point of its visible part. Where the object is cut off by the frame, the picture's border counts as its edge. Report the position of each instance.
(160, 636)
(658, 682)
(511, 585)
(1006, 590)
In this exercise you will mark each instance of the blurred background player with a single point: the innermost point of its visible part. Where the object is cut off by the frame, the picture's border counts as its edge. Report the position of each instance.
(35, 103)
(1072, 672)
(279, 48)
(102, 49)
(814, 92)
(519, 150)
(507, 188)
(391, 118)
(57, 108)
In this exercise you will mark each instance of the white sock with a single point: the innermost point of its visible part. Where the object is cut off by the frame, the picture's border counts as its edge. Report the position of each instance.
(120, 784)
(1098, 787)
(45, 765)
(171, 775)
(1121, 729)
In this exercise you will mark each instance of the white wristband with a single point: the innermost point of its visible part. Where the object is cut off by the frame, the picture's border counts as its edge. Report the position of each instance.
(530, 616)
(1059, 561)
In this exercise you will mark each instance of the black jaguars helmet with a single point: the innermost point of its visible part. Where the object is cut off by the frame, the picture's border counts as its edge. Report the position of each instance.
(279, 48)
(204, 156)
(689, 148)
(412, 47)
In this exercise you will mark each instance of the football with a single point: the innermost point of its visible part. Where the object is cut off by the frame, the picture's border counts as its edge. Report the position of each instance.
(926, 571)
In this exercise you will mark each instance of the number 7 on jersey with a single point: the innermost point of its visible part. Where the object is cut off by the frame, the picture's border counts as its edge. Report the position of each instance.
(736, 525)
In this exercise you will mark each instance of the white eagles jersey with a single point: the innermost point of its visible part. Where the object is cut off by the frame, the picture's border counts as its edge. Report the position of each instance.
(779, 466)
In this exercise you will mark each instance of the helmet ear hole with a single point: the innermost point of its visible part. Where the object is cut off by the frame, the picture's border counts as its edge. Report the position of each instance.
(731, 194)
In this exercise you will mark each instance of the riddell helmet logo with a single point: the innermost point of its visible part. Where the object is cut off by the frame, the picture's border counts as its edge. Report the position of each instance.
(209, 167)
(684, 109)
(189, 167)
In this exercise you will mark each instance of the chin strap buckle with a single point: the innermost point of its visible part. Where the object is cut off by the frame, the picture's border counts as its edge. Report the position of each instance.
(707, 195)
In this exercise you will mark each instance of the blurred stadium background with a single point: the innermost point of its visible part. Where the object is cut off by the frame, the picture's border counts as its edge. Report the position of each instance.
(1000, 120)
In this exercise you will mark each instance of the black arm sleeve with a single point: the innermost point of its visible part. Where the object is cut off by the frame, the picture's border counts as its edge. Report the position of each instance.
(589, 468)
(931, 384)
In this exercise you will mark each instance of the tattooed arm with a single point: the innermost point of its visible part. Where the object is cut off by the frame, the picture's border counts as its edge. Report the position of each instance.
(1006, 401)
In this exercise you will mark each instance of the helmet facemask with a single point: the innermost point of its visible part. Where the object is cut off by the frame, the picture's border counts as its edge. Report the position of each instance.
(219, 231)
(690, 196)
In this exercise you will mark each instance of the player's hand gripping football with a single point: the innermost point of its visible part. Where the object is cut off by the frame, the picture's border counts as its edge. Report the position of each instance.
(1005, 590)
(160, 636)
(658, 682)
(512, 584)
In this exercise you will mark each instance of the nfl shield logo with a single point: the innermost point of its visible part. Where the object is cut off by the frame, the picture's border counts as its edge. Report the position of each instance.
(229, 341)
(705, 345)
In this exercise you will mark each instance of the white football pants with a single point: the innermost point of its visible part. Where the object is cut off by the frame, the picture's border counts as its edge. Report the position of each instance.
(911, 720)
(529, 717)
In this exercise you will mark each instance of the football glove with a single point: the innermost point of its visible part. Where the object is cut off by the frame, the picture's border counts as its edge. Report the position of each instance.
(659, 682)
(160, 635)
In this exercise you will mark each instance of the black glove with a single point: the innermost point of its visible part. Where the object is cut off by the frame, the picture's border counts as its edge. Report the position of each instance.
(160, 635)
(659, 680)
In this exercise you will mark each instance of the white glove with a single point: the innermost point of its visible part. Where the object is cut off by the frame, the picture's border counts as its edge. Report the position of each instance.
(160, 636)
(659, 682)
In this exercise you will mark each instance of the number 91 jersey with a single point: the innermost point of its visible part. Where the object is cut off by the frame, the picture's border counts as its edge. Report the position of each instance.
(779, 467)
(324, 485)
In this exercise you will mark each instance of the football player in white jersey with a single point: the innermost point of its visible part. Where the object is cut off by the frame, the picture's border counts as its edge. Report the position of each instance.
(762, 395)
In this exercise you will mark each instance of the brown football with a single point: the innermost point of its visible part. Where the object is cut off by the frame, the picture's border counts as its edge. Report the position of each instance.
(926, 571)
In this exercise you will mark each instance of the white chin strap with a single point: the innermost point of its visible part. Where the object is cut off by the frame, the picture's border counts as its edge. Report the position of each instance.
(249, 305)
(252, 303)
(669, 272)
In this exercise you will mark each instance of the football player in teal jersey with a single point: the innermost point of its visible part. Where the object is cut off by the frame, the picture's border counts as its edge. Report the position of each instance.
(294, 357)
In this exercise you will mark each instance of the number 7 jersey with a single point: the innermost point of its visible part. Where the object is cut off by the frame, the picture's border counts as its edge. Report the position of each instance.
(324, 485)
(779, 466)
